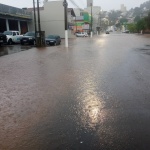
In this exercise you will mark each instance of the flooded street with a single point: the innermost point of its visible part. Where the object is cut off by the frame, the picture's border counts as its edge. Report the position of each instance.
(11, 49)
(95, 95)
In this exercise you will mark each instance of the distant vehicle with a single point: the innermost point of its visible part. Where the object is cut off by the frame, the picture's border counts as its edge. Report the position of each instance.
(13, 37)
(126, 31)
(107, 32)
(53, 40)
(28, 38)
(86, 35)
(3, 38)
(81, 34)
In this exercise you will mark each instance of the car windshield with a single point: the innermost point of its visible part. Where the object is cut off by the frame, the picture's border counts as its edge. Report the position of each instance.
(8, 33)
(30, 34)
(51, 37)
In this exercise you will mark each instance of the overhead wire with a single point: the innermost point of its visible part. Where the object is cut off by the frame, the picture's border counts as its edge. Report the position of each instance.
(75, 4)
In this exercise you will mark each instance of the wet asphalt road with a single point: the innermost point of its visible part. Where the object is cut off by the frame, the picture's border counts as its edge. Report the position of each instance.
(93, 96)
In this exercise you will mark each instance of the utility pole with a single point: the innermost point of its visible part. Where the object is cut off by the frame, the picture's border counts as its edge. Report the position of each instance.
(35, 27)
(39, 25)
(76, 22)
(91, 21)
(65, 4)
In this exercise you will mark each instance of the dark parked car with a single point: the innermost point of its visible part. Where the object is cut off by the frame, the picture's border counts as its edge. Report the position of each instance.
(3, 38)
(28, 38)
(53, 40)
(107, 32)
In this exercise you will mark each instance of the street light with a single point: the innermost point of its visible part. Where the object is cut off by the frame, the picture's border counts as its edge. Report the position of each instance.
(65, 4)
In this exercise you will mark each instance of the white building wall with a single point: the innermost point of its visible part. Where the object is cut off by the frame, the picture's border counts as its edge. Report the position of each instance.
(89, 2)
(52, 19)
(77, 11)
(123, 8)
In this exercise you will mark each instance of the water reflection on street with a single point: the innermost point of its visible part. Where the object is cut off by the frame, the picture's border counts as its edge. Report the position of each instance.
(93, 95)
(10, 49)
(90, 102)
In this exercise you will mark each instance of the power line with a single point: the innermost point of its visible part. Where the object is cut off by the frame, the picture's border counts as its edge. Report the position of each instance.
(74, 3)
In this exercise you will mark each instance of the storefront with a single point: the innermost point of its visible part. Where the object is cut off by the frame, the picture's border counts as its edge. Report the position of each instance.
(82, 23)
(12, 18)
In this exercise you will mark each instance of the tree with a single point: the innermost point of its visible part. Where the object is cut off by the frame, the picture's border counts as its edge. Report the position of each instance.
(137, 11)
(141, 25)
(147, 20)
(137, 18)
(113, 16)
(123, 20)
(132, 27)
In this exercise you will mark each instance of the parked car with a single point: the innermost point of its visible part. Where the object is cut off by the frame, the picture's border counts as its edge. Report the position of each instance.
(28, 38)
(86, 35)
(81, 34)
(107, 32)
(3, 38)
(53, 40)
(126, 31)
(13, 37)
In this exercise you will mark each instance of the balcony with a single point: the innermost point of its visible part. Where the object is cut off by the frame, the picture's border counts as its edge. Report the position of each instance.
(9, 11)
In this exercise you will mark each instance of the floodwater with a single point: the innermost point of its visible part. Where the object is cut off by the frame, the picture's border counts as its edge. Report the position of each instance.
(11, 49)
(92, 96)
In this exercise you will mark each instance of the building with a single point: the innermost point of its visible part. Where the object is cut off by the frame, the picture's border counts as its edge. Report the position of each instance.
(82, 22)
(12, 18)
(123, 8)
(78, 11)
(52, 19)
(89, 3)
(96, 16)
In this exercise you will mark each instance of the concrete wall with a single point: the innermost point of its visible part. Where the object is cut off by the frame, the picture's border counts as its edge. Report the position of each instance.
(52, 18)
(89, 2)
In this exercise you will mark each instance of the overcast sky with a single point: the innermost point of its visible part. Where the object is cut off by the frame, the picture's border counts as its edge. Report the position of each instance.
(105, 4)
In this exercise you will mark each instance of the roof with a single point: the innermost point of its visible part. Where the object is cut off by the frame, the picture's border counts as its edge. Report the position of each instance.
(31, 9)
(72, 11)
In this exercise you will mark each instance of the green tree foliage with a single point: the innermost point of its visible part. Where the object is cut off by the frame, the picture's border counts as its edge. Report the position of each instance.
(113, 16)
(137, 11)
(147, 20)
(123, 20)
(141, 25)
(145, 5)
(118, 25)
(137, 18)
(132, 27)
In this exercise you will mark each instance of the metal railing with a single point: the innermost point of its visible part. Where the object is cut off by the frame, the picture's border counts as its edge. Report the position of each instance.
(15, 12)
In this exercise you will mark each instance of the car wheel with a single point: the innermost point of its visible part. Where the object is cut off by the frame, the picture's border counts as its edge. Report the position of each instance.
(22, 43)
(34, 43)
(10, 42)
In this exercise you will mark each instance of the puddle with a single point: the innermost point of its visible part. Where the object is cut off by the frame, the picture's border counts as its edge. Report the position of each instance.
(7, 50)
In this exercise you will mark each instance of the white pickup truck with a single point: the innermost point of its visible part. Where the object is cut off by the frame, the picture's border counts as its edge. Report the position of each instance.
(13, 37)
